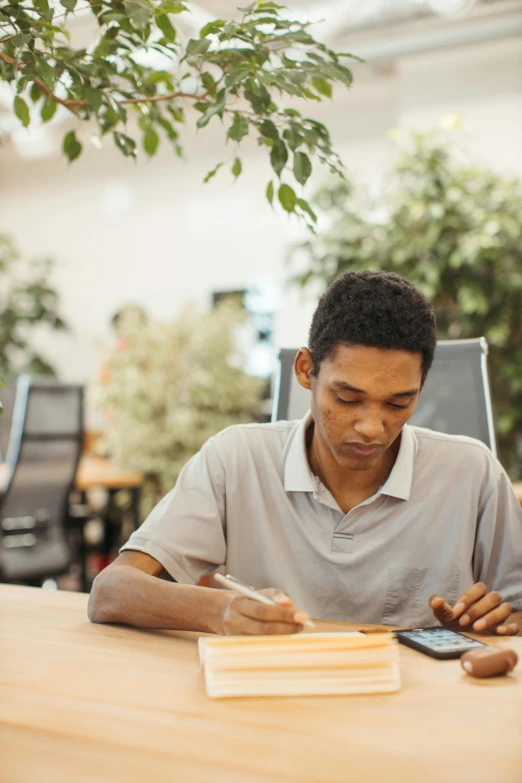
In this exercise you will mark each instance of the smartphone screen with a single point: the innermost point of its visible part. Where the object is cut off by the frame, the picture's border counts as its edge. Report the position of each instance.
(438, 642)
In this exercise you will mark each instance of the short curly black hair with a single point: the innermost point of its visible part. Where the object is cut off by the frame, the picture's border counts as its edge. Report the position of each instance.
(378, 309)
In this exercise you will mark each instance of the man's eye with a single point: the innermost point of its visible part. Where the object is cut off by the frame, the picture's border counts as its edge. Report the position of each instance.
(346, 402)
(398, 407)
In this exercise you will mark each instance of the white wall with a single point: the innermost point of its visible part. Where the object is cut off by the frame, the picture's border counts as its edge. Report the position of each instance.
(177, 238)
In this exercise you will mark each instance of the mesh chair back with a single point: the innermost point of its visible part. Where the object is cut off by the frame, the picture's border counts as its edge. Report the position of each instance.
(43, 454)
(455, 399)
(7, 397)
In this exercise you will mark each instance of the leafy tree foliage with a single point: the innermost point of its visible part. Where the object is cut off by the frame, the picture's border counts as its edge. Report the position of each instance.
(240, 72)
(27, 300)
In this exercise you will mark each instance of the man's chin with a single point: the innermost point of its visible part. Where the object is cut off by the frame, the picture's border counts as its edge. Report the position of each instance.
(349, 462)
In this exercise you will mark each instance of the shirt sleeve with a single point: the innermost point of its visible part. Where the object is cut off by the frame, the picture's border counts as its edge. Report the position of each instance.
(185, 532)
(497, 559)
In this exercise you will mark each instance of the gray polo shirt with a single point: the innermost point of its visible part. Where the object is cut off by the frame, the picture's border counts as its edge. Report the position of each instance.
(446, 517)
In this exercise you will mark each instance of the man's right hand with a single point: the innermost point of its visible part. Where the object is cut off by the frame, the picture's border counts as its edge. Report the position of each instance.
(243, 616)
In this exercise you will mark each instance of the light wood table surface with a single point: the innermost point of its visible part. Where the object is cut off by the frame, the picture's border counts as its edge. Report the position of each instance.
(109, 704)
(96, 472)
(93, 473)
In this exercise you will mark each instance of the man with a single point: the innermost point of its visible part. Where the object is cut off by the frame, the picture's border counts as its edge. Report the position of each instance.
(353, 513)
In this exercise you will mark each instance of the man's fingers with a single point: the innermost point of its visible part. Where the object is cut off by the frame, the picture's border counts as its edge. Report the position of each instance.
(507, 629)
(277, 595)
(269, 613)
(481, 608)
(238, 624)
(441, 609)
(474, 594)
(497, 616)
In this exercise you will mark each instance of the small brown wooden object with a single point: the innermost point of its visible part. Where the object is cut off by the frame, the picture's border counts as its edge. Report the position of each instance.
(490, 661)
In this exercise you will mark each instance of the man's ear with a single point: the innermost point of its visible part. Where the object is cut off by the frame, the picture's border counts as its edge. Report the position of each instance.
(303, 368)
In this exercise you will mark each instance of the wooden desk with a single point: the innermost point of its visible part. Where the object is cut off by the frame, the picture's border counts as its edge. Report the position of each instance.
(99, 472)
(93, 472)
(90, 703)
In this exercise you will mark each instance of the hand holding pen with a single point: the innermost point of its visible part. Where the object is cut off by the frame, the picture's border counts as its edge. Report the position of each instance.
(257, 612)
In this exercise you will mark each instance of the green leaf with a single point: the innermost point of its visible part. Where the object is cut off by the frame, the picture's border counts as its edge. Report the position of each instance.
(69, 4)
(165, 26)
(279, 157)
(302, 167)
(139, 11)
(287, 198)
(112, 17)
(48, 110)
(36, 93)
(212, 173)
(150, 142)
(215, 108)
(167, 127)
(176, 112)
(239, 128)
(45, 71)
(21, 110)
(94, 98)
(305, 206)
(237, 168)
(293, 137)
(259, 100)
(212, 28)
(171, 7)
(125, 144)
(21, 39)
(158, 77)
(322, 86)
(270, 192)
(269, 130)
(71, 146)
(197, 46)
(207, 80)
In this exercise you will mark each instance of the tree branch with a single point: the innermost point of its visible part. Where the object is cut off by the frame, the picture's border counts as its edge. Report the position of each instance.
(168, 97)
(172, 95)
(68, 103)
(73, 105)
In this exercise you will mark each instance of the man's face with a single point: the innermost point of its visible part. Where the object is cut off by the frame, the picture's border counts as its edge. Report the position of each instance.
(361, 399)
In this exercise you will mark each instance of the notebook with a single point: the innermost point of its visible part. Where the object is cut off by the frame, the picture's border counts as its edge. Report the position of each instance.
(299, 665)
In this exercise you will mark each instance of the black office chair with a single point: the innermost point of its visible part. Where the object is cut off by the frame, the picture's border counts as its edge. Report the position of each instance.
(456, 398)
(45, 445)
(7, 398)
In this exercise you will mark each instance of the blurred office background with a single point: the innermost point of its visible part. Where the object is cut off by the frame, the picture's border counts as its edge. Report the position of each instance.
(150, 238)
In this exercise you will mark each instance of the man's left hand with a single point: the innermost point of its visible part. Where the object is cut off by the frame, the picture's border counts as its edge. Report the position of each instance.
(477, 610)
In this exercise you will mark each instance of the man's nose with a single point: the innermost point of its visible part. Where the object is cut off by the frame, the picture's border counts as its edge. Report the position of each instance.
(370, 426)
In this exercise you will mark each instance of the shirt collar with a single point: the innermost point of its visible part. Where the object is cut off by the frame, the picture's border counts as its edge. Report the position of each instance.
(398, 483)
(298, 476)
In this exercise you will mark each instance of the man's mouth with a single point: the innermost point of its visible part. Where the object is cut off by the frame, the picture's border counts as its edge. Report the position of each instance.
(360, 450)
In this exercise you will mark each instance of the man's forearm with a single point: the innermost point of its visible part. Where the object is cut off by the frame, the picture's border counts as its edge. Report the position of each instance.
(129, 596)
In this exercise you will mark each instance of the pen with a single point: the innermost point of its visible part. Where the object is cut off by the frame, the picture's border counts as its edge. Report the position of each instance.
(232, 583)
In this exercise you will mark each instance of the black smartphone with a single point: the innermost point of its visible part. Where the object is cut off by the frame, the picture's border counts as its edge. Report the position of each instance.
(440, 643)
